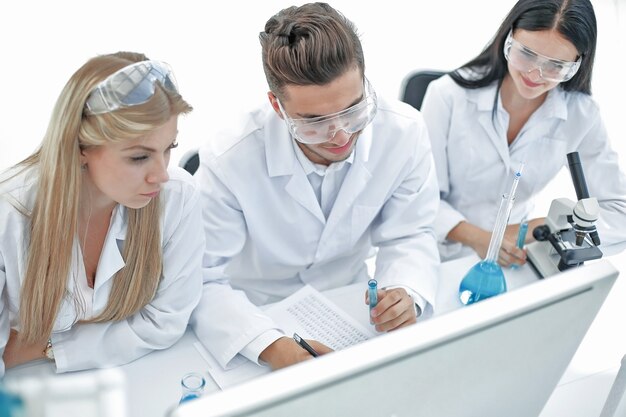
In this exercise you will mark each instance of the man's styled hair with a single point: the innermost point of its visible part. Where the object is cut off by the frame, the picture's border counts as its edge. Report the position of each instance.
(309, 45)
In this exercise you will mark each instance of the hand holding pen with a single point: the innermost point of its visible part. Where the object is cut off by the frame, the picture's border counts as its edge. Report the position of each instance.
(287, 351)
(305, 345)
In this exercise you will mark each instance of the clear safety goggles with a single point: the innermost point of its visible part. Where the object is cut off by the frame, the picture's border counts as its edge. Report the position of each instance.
(130, 86)
(526, 60)
(322, 129)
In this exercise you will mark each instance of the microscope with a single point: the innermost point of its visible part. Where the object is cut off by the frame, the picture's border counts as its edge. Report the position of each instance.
(569, 237)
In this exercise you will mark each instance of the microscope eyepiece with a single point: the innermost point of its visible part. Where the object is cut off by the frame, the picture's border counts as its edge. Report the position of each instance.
(578, 177)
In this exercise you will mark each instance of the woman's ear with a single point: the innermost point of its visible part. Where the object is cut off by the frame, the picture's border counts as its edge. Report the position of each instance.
(83, 158)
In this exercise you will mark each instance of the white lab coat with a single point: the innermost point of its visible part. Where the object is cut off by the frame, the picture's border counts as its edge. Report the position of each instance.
(475, 165)
(156, 326)
(266, 234)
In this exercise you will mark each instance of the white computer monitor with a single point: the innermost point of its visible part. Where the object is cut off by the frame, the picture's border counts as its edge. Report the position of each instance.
(500, 357)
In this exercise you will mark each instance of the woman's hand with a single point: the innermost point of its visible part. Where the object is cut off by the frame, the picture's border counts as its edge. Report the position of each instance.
(17, 353)
(479, 239)
(395, 309)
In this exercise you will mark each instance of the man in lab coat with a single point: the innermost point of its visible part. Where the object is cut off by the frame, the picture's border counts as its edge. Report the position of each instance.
(304, 188)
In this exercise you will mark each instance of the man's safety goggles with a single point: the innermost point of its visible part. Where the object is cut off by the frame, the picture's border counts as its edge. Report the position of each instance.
(130, 86)
(322, 129)
(526, 60)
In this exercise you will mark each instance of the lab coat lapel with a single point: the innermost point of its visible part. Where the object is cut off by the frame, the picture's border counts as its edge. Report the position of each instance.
(299, 188)
(354, 184)
(67, 314)
(541, 124)
(484, 103)
(111, 260)
(498, 141)
(110, 263)
(282, 161)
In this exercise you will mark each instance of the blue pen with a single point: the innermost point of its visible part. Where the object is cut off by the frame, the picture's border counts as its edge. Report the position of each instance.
(521, 237)
(372, 288)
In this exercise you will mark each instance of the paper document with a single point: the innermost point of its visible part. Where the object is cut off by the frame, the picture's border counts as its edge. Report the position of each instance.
(313, 316)
(308, 313)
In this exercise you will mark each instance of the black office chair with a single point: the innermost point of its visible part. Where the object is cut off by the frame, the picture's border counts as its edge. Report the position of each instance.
(190, 161)
(414, 86)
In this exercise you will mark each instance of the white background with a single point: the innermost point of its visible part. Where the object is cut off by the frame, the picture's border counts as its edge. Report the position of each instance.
(214, 50)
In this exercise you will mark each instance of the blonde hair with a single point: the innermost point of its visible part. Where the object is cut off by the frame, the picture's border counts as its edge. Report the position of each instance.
(55, 212)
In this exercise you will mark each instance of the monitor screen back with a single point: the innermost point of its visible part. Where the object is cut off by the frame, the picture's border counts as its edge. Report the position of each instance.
(500, 357)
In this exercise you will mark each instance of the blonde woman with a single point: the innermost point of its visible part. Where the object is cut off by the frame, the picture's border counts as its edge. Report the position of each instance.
(100, 245)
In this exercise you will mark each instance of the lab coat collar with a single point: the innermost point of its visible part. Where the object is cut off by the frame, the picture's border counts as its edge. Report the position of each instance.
(309, 166)
(554, 106)
(282, 160)
(279, 152)
(483, 97)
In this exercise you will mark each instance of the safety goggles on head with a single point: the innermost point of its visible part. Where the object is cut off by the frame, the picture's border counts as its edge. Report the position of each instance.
(130, 86)
(526, 60)
(322, 129)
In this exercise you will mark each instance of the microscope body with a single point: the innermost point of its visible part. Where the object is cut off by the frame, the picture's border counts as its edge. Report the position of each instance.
(569, 237)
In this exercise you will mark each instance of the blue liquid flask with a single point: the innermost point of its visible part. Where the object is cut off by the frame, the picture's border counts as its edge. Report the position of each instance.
(483, 280)
(192, 385)
(486, 279)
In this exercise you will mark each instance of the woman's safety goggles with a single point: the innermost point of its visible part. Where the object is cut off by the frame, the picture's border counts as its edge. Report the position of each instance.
(130, 86)
(526, 60)
(322, 129)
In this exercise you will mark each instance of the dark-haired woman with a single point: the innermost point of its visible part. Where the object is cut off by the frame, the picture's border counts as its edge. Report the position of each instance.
(525, 100)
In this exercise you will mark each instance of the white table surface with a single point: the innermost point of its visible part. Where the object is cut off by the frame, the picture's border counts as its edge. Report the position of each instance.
(153, 382)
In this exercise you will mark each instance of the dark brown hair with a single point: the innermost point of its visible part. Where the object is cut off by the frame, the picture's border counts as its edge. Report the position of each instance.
(575, 20)
(308, 45)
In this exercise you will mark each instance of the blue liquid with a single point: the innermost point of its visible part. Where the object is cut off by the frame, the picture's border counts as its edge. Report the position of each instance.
(192, 385)
(483, 280)
(373, 295)
(188, 397)
(10, 404)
